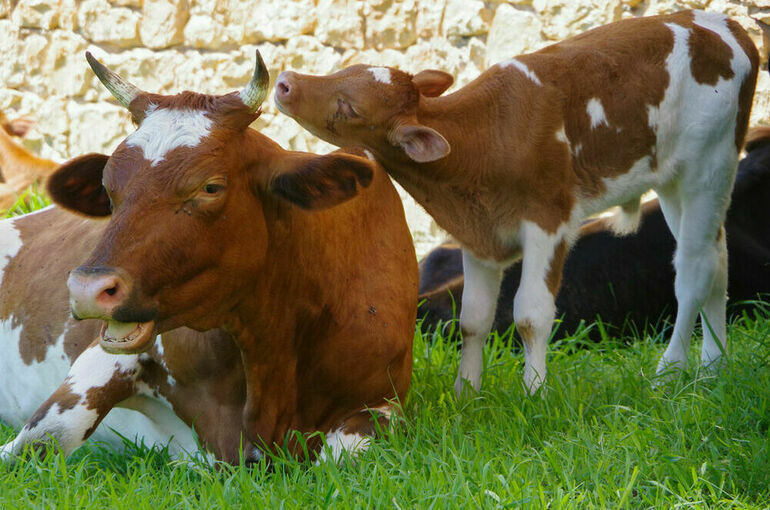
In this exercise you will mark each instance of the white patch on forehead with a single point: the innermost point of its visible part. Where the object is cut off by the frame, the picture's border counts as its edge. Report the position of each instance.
(521, 66)
(381, 74)
(561, 135)
(596, 112)
(163, 130)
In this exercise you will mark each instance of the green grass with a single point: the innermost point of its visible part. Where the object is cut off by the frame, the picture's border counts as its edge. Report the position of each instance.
(601, 436)
(30, 200)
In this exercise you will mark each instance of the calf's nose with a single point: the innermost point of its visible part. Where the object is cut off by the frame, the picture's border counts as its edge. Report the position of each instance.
(96, 292)
(284, 85)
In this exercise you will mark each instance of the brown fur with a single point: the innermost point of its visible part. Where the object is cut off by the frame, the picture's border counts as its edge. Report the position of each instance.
(506, 164)
(295, 288)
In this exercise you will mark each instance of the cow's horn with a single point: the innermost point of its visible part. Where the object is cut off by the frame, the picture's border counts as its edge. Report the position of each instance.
(123, 91)
(256, 91)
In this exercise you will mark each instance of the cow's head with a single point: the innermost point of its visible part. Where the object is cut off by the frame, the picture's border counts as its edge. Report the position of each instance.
(186, 195)
(362, 105)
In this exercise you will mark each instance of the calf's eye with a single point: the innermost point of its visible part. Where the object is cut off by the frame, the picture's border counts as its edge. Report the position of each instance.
(213, 189)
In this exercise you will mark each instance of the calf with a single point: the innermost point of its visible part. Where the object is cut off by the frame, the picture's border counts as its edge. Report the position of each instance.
(19, 168)
(511, 163)
(213, 225)
(639, 291)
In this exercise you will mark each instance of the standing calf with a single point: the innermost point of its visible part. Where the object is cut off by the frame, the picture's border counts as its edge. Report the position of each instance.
(640, 290)
(511, 163)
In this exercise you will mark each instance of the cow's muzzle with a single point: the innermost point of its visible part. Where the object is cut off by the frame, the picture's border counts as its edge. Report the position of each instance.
(108, 294)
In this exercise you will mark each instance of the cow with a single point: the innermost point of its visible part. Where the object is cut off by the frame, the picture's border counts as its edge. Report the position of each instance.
(19, 168)
(512, 163)
(282, 317)
(638, 292)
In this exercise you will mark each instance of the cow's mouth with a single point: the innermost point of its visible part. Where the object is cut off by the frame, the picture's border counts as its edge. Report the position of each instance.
(127, 337)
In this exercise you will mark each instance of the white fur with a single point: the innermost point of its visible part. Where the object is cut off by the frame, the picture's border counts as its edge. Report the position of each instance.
(381, 74)
(482, 286)
(596, 113)
(164, 130)
(521, 66)
(338, 442)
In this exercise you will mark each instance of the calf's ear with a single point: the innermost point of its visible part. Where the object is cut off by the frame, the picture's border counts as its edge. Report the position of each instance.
(77, 186)
(315, 182)
(432, 83)
(421, 143)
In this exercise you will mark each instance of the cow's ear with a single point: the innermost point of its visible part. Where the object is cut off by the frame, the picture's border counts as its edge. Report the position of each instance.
(432, 83)
(77, 185)
(421, 143)
(18, 127)
(318, 182)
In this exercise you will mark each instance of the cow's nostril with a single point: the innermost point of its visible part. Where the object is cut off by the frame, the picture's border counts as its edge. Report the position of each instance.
(111, 291)
(283, 88)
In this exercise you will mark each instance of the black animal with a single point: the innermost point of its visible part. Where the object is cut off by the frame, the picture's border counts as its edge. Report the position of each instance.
(627, 282)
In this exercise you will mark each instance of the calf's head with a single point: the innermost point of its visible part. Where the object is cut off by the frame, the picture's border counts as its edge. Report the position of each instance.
(186, 195)
(374, 107)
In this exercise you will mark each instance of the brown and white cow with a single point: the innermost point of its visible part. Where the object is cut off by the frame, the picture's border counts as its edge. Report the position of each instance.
(511, 163)
(305, 262)
(188, 378)
(19, 168)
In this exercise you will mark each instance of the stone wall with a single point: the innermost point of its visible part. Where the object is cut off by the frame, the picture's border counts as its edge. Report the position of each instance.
(208, 45)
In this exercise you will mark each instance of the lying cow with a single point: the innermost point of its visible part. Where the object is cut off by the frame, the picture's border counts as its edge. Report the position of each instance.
(19, 168)
(639, 290)
(513, 162)
(310, 278)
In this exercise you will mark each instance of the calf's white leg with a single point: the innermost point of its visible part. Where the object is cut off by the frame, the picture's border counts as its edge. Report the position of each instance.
(534, 305)
(480, 292)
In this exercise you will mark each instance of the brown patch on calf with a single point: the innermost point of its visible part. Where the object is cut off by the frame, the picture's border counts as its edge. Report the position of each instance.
(709, 56)
(42, 264)
(553, 278)
(63, 397)
(746, 93)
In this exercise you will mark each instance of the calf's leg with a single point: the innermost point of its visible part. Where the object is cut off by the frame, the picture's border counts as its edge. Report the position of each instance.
(534, 305)
(701, 273)
(95, 383)
(482, 287)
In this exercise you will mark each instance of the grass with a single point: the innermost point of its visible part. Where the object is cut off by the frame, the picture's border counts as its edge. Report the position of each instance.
(601, 436)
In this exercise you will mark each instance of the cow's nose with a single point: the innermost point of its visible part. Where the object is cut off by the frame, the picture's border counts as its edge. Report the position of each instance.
(284, 85)
(95, 292)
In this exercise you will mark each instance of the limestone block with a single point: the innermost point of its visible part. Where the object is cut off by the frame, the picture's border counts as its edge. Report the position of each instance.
(429, 16)
(163, 22)
(513, 32)
(136, 4)
(102, 23)
(36, 14)
(439, 54)
(390, 58)
(113, 121)
(64, 66)
(340, 23)
(11, 69)
(567, 17)
(202, 31)
(5, 8)
(463, 18)
(390, 23)
(760, 112)
(308, 55)
(68, 14)
(267, 20)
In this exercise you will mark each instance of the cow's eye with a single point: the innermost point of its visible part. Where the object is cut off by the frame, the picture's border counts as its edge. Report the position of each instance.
(213, 189)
